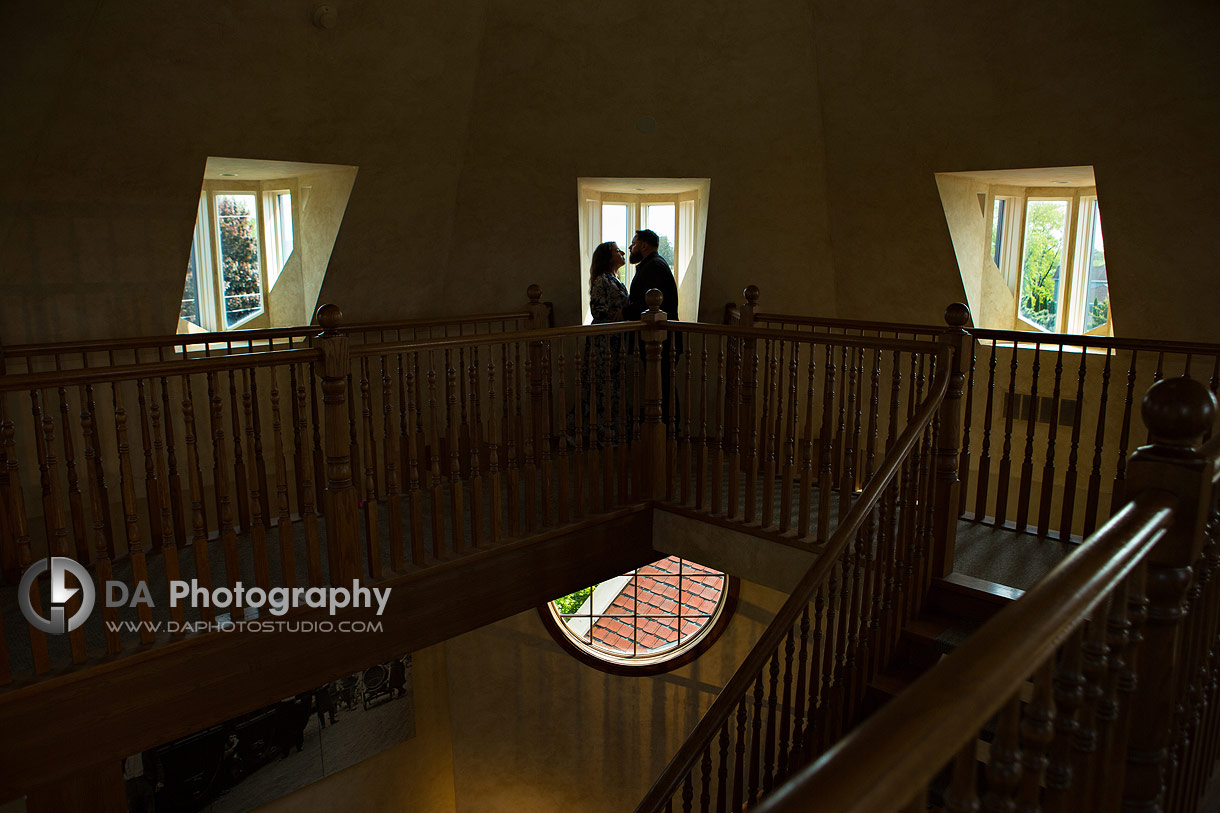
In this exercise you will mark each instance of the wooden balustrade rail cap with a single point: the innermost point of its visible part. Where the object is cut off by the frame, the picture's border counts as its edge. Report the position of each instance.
(875, 767)
(156, 369)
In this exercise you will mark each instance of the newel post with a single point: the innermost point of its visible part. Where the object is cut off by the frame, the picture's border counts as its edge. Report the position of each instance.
(1178, 412)
(946, 485)
(652, 433)
(342, 523)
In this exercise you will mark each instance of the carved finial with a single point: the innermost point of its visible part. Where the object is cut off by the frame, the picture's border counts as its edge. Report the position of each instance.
(654, 298)
(751, 294)
(534, 293)
(957, 315)
(330, 317)
(1178, 412)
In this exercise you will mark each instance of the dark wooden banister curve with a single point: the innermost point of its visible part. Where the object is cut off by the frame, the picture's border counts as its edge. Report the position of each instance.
(875, 768)
(726, 701)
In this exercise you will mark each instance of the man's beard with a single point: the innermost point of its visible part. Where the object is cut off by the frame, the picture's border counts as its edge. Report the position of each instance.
(635, 257)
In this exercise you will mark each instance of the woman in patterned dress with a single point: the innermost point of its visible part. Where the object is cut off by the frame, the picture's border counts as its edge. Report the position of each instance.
(607, 296)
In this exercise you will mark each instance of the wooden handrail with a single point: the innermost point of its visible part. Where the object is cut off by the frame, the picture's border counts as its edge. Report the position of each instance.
(451, 342)
(237, 337)
(850, 324)
(156, 369)
(834, 339)
(736, 687)
(876, 768)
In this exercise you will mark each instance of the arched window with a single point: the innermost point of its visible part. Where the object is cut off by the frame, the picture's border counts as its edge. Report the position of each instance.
(650, 620)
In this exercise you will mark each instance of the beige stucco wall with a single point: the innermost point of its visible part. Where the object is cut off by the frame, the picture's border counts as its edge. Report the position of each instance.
(1131, 89)
(534, 729)
(414, 776)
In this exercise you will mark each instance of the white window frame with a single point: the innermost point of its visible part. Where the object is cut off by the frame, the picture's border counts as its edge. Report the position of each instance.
(1069, 317)
(271, 251)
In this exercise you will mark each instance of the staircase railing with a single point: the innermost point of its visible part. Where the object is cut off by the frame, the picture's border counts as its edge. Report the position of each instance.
(1121, 643)
(803, 681)
(1046, 416)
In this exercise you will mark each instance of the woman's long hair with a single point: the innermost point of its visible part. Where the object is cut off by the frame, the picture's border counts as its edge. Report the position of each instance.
(603, 255)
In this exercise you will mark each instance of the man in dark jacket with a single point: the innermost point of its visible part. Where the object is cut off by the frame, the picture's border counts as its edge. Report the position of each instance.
(652, 271)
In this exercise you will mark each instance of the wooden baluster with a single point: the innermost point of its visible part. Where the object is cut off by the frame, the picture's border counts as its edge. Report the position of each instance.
(847, 570)
(353, 440)
(847, 483)
(258, 519)
(739, 757)
(1069, 696)
(104, 570)
(151, 495)
(511, 429)
(288, 568)
(716, 443)
(544, 418)
(895, 400)
(1027, 464)
(807, 468)
(239, 464)
(790, 440)
(859, 663)
(754, 464)
(1037, 732)
(705, 784)
(220, 484)
(135, 550)
(752, 794)
(1002, 483)
(1069, 477)
(963, 461)
(476, 438)
(583, 375)
(685, 440)
(1091, 501)
(1118, 493)
(98, 471)
(606, 453)
(199, 528)
(307, 491)
(493, 455)
(705, 441)
(797, 756)
(768, 776)
(886, 578)
(1004, 767)
(393, 456)
(826, 471)
(299, 424)
(785, 708)
(21, 533)
(529, 469)
(980, 494)
(53, 505)
(735, 418)
(435, 483)
(1094, 664)
(962, 795)
(688, 793)
(457, 516)
(722, 769)
(372, 527)
(814, 702)
(839, 442)
(595, 431)
(563, 469)
(165, 521)
(829, 661)
(174, 478)
(670, 385)
(318, 457)
(260, 463)
(623, 447)
(76, 505)
(1048, 469)
(415, 501)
